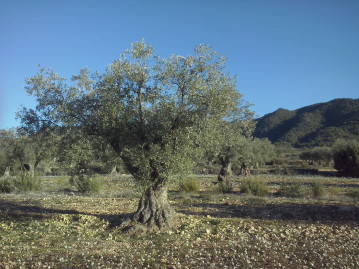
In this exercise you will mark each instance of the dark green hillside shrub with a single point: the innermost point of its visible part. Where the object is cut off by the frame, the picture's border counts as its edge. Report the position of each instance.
(346, 158)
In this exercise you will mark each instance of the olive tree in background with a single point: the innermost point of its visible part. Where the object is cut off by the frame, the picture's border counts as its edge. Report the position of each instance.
(346, 157)
(7, 160)
(231, 144)
(254, 153)
(27, 150)
(157, 114)
(320, 155)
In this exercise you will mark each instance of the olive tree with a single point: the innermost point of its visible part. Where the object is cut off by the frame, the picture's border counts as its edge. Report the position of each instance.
(27, 150)
(158, 115)
(320, 155)
(255, 152)
(346, 157)
(7, 138)
(231, 142)
(244, 152)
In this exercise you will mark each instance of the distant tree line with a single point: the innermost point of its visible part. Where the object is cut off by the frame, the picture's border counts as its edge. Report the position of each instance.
(343, 154)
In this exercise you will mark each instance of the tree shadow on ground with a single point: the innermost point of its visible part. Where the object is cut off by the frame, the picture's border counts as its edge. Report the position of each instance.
(277, 212)
(310, 184)
(31, 210)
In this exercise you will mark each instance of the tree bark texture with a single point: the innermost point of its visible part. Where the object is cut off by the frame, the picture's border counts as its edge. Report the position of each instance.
(225, 174)
(245, 171)
(154, 211)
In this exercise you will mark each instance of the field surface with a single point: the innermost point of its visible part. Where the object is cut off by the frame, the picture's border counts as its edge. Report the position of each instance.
(56, 227)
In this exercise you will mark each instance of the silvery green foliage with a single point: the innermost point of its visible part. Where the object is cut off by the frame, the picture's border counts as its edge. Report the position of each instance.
(159, 115)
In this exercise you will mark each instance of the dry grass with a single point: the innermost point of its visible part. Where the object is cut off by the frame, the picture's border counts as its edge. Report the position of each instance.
(57, 228)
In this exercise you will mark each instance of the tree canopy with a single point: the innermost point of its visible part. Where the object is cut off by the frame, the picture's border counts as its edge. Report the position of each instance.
(157, 114)
(346, 157)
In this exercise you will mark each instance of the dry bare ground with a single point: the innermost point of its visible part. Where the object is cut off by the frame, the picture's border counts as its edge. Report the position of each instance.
(57, 228)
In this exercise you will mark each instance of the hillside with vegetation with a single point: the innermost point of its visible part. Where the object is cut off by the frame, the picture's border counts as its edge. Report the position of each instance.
(315, 125)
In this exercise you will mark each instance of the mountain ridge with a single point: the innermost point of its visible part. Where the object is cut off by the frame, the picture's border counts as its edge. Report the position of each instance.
(319, 124)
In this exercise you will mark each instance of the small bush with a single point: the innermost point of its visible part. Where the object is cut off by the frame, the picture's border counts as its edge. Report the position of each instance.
(27, 182)
(254, 186)
(6, 185)
(318, 189)
(85, 183)
(293, 191)
(189, 185)
(22, 182)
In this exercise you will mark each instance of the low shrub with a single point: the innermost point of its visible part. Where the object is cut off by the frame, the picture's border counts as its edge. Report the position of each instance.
(254, 186)
(21, 182)
(294, 190)
(85, 183)
(7, 185)
(27, 182)
(189, 185)
(318, 189)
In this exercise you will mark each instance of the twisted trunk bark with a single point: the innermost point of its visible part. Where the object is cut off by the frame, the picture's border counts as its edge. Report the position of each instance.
(154, 208)
(225, 176)
(154, 211)
(245, 171)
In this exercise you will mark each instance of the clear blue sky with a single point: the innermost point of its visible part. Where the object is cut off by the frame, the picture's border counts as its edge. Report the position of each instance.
(286, 53)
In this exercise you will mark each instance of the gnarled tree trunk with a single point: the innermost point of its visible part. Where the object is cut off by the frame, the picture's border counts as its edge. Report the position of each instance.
(245, 171)
(154, 211)
(225, 174)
